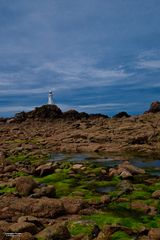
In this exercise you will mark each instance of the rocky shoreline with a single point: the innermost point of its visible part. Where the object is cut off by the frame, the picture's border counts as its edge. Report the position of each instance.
(60, 200)
(46, 130)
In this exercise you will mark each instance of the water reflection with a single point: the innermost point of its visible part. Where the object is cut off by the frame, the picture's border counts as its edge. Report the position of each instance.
(152, 166)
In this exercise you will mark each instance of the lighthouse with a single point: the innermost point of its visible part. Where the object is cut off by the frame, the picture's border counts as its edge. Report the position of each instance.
(50, 98)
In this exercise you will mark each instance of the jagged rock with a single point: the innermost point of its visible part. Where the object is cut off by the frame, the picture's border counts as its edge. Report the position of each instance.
(74, 115)
(97, 115)
(155, 107)
(121, 114)
(40, 113)
(25, 185)
(54, 232)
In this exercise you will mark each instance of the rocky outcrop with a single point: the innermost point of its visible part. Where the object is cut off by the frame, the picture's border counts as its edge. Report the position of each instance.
(74, 115)
(121, 114)
(155, 107)
(50, 112)
(41, 113)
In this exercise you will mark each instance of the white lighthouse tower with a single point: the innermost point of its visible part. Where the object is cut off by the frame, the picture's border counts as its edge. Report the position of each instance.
(50, 98)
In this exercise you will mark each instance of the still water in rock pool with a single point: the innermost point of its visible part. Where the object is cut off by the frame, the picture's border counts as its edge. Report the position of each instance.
(151, 166)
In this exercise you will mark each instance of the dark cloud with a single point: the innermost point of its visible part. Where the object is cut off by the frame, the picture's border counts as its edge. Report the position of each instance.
(91, 53)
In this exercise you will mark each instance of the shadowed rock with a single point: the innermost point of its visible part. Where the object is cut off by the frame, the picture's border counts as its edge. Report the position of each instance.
(121, 114)
(155, 107)
(44, 112)
(74, 115)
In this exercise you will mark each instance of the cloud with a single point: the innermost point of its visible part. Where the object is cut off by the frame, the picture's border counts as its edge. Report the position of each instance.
(149, 64)
(81, 72)
(15, 109)
(149, 60)
(101, 105)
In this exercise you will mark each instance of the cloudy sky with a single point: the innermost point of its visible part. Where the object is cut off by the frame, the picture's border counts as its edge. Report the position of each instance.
(96, 55)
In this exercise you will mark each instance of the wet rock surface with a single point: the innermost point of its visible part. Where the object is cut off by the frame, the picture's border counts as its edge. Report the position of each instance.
(64, 204)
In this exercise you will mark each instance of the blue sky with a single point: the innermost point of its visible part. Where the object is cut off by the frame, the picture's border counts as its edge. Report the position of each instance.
(98, 56)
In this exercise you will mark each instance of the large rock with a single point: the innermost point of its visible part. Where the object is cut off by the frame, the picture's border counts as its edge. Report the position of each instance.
(54, 232)
(132, 169)
(48, 191)
(140, 206)
(28, 218)
(50, 112)
(25, 185)
(73, 205)
(10, 168)
(44, 169)
(155, 107)
(72, 115)
(154, 234)
(125, 170)
(77, 166)
(41, 208)
(121, 114)
(23, 227)
(48, 208)
(156, 194)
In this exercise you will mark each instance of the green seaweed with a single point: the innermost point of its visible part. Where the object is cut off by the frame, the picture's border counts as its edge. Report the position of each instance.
(120, 235)
(80, 227)
(6, 189)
